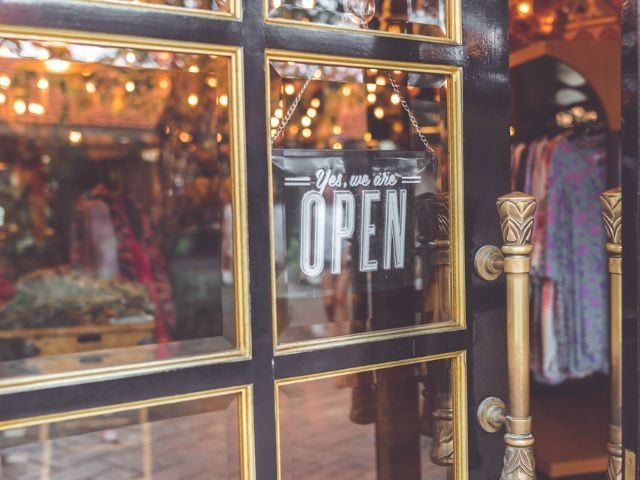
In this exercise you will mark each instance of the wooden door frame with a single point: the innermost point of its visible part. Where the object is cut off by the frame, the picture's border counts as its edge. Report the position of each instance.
(483, 55)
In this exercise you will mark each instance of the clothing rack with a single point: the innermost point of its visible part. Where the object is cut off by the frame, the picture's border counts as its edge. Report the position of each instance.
(601, 69)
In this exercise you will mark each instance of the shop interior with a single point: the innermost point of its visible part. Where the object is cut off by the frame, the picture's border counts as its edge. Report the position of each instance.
(117, 197)
(565, 127)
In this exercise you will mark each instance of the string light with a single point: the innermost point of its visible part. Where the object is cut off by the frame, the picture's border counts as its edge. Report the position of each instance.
(371, 87)
(381, 81)
(371, 98)
(223, 100)
(43, 84)
(346, 90)
(36, 109)
(378, 112)
(274, 122)
(212, 81)
(525, 8)
(278, 113)
(312, 112)
(306, 133)
(130, 86)
(5, 82)
(193, 100)
(57, 65)
(337, 130)
(90, 87)
(315, 103)
(19, 107)
(305, 121)
(395, 99)
(289, 89)
(75, 136)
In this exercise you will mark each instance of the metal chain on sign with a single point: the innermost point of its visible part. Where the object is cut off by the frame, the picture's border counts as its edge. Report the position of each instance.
(363, 20)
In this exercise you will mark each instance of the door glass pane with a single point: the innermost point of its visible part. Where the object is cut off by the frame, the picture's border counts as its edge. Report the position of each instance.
(360, 203)
(198, 439)
(116, 244)
(417, 17)
(395, 422)
(207, 5)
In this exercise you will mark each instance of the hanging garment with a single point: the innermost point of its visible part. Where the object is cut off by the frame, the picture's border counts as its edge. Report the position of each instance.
(138, 257)
(569, 326)
(575, 260)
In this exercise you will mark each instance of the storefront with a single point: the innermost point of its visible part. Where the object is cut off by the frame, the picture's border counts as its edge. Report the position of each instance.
(237, 241)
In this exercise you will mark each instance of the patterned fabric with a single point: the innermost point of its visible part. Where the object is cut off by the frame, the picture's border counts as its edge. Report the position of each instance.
(569, 322)
(575, 259)
(138, 255)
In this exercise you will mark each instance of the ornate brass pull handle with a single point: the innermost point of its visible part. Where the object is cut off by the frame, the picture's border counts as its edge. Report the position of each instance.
(516, 212)
(611, 201)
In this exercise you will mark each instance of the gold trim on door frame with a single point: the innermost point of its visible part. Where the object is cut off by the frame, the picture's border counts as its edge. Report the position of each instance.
(234, 13)
(459, 391)
(239, 198)
(245, 419)
(453, 24)
(455, 193)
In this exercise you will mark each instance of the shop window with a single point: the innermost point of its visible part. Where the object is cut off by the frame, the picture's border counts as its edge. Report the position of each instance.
(363, 178)
(400, 421)
(118, 186)
(212, 6)
(429, 18)
(203, 438)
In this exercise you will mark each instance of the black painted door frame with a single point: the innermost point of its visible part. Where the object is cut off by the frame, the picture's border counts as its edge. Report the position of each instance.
(483, 56)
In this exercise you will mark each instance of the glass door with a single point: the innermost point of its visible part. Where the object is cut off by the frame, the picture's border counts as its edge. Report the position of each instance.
(236, 239)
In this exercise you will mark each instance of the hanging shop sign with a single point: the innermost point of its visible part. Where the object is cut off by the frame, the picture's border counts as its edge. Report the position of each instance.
(350, 208)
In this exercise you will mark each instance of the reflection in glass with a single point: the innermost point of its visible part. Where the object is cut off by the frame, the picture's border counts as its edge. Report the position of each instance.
(197, 439)
(360, 205)
(207, 5)
(115, 206)
(417, 17)
(384, 424)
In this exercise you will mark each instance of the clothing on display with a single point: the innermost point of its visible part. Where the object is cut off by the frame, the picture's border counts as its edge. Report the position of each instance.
(567, 174)
(112, 236)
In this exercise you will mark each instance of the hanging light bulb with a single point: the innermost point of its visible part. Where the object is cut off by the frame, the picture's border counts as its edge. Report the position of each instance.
(57, 65)
(19, 107)
(36, 109)
(75, 136)
(524, 8)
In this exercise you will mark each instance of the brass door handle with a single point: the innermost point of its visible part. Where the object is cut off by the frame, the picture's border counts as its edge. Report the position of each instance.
(516, 211)
(611, 202)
